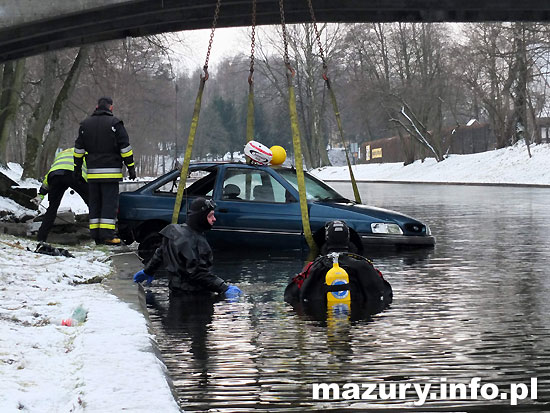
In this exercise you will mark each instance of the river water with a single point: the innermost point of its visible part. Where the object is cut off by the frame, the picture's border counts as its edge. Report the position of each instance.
(477, 305)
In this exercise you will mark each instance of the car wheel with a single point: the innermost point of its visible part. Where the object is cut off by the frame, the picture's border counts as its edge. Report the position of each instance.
(147, 247)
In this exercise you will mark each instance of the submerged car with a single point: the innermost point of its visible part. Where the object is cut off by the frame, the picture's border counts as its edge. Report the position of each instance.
(258, 206)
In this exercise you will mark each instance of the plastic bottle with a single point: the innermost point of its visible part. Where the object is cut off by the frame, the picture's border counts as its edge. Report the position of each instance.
(78, 317)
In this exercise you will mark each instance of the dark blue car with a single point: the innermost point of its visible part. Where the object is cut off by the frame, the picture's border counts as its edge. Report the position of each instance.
(257, 206)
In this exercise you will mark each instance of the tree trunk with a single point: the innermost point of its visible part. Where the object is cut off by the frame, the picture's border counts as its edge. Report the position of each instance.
(520, 103)
(12, 82)
(51, 143)
(40, 116)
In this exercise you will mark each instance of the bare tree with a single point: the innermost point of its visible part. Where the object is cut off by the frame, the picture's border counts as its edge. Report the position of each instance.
(12, 82)
(403, 74)
(51, 141)
(41, 113)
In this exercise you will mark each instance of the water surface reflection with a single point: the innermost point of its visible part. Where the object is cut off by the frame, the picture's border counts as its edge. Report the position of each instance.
(474, 306)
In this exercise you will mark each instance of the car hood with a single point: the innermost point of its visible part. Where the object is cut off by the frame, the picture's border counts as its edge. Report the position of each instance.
(381, 214)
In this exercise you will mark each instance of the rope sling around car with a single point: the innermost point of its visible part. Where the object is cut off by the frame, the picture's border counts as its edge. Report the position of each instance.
(296, 139)
(298, 160)
(194, 121)
(334, 102)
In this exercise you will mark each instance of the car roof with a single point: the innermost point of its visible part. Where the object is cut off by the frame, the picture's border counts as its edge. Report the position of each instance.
(239, 164)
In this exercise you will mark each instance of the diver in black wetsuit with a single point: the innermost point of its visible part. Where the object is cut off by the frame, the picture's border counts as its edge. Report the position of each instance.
(368, 288)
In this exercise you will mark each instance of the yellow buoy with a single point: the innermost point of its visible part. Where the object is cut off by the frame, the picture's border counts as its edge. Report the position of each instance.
(279, 155)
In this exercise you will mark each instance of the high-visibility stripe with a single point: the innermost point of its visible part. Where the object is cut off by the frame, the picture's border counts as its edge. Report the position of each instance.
(106, 226)
(79, 151)
(106, 176)
(104, 170)
(78, 155)
(125, 152)
(94, 226)
(94, 220)
(63, 163)
(131, 164)
(107, 221)
(64, 157)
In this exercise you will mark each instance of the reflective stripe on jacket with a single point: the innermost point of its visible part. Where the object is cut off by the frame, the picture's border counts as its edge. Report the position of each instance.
(103, 141)
(63, 161)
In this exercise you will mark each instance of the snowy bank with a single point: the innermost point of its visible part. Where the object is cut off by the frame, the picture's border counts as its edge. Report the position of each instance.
(103, 365)
(14, 172)
(510, 165)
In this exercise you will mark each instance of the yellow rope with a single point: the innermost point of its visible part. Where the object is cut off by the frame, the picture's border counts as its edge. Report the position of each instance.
(188, 151)
(250, 114)
(339, 123)
(194, 121)
(299, 164)
(333, 99)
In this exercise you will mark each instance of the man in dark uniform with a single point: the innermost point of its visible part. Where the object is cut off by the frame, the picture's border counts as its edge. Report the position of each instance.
(187, 256)
(103, 141)
(58, 179)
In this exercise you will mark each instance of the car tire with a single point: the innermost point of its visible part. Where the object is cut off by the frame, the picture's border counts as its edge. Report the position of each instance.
(148, 245)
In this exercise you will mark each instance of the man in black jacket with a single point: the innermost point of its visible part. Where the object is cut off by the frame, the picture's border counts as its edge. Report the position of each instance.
(103, 141)
(187, 256)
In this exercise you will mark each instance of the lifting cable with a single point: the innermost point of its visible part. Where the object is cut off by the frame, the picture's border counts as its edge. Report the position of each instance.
(250, 107)
(194, 122)
(250, 112)
(334, 103)
(298, 160)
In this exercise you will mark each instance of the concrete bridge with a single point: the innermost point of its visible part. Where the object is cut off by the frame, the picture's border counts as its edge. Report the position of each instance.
(29, 27)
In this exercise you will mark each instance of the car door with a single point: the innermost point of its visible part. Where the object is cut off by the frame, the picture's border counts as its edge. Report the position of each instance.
(255, 209)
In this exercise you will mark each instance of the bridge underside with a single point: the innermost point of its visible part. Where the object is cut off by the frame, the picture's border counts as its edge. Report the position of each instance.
(146, 17)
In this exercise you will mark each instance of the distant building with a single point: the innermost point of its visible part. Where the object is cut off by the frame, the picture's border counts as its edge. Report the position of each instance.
(544, 128)
(475, 138)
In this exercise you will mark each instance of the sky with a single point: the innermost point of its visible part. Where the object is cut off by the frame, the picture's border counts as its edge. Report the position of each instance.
(106, 364)
(190, 55)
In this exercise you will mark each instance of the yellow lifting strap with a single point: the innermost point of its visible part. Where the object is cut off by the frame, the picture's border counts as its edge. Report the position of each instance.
(299, 164)
(188, 151)
(339, 123)
(334, 103)
(298, 160)
(250, 115)
(194, 123)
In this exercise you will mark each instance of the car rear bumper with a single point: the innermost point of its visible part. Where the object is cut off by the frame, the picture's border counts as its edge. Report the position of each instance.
(412, 240)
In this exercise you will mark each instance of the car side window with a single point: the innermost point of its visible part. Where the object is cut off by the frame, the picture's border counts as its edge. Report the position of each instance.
(252, 185)
(170, 187)
(198, 183)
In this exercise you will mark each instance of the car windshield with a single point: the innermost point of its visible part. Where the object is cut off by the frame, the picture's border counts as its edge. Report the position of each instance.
(316, 190)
